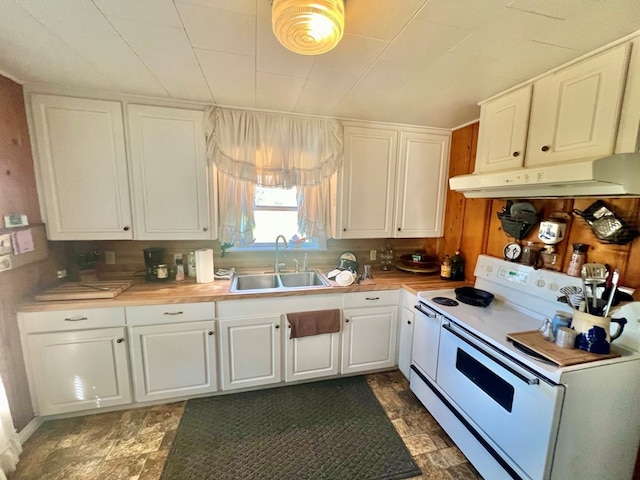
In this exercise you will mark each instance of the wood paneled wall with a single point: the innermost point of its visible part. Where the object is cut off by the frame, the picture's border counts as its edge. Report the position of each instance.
(473, 225)
(18, 194)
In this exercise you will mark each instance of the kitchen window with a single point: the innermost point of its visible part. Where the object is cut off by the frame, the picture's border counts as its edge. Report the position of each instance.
(276, 213)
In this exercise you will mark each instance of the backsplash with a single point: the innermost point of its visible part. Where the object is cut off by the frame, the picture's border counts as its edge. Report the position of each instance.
(129, 262)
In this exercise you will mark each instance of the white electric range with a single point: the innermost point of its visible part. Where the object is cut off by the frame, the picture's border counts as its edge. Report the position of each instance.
(512, 415)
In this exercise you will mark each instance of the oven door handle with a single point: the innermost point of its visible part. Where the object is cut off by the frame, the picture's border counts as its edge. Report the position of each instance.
(514, 372)
(430, 314)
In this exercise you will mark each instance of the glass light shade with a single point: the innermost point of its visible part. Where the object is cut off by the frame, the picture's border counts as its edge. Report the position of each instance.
(308, 27)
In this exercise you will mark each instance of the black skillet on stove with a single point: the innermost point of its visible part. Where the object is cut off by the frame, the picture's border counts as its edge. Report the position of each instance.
(474, 296)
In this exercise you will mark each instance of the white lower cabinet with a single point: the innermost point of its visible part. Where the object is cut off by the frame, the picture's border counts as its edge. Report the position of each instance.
(173, 360)
(173, 350)
(311, 357)
(76, 360)
(369, 338)
(405, 340)
(250, 351)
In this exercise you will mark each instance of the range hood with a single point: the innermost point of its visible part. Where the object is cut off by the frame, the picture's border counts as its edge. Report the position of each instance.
(613, 176)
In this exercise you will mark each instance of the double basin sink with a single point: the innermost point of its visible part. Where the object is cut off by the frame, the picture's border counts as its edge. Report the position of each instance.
(277, 282)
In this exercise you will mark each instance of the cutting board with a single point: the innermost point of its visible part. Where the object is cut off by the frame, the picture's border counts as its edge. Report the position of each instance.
(533, 340)
(83, 291)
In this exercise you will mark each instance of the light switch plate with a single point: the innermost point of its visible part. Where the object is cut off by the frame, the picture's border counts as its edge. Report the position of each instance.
(109, 257)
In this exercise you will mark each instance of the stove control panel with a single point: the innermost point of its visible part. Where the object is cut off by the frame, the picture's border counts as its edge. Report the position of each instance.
(513, 275)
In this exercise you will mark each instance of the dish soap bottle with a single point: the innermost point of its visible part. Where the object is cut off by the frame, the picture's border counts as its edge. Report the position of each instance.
(179, 270)
(457, 266)
(445, 268)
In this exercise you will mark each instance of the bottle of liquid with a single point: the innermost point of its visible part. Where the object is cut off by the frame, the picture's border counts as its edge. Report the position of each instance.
(578, 258)
(445, 268)
(192, 264)
(457, 266)
(179, 270)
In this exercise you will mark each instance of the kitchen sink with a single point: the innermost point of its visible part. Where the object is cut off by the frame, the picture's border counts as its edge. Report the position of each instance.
(255, 282)
(302, 279)
(277, 282)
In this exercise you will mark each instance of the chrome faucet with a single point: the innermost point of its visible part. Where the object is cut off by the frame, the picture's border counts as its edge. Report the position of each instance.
(277, 265)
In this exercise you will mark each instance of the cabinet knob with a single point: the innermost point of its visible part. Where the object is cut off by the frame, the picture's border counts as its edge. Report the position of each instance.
(344, 229)
(120, 340)
(516, 154)
(209, 333)
(408, 322)
(545, 148)
(277, 326)
(346, 320)
(126, 229)
(205, 229)
(399, 229)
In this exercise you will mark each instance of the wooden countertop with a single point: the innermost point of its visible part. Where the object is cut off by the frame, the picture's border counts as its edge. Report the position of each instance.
(152, 293)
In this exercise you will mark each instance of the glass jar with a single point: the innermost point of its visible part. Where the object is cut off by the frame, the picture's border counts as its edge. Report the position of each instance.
(578, 259)
(445, 268)
(530, 254)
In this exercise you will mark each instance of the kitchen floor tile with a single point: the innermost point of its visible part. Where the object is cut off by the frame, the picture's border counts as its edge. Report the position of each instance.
(134, 444)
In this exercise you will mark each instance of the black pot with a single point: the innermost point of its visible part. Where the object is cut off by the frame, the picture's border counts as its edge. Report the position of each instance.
(474, 296)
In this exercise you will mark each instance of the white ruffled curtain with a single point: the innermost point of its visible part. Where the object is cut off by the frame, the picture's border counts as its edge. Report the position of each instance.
(10, 447)
(271, 150)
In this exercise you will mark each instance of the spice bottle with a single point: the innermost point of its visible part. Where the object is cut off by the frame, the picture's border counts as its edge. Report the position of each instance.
(445, 268)
(179, 270)
(457, 266)
(578, 258)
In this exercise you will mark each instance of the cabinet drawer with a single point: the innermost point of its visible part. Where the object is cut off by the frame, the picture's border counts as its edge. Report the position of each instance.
(371, 299)
(170, 313)
(71, 320)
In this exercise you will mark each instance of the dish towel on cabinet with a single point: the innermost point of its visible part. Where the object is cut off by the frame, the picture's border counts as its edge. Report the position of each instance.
(317, 322)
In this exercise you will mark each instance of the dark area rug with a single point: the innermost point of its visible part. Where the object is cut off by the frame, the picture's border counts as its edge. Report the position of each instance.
(330, 430)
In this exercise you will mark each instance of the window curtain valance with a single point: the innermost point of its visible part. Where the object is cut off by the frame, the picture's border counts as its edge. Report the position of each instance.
(273, 150)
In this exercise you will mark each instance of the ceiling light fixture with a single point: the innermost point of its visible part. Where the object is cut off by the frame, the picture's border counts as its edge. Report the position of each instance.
(308, 27)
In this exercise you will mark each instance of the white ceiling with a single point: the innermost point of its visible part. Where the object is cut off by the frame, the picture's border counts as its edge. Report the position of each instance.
(424, 62)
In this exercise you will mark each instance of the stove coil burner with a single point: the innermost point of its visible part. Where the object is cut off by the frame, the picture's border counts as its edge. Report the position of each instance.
(447, 302)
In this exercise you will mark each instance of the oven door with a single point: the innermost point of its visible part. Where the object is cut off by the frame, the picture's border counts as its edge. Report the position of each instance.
(516, 410)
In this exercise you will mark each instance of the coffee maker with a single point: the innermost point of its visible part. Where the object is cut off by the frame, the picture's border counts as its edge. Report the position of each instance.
(153, 257)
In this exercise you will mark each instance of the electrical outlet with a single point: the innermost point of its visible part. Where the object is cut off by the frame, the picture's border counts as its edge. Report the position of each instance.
(62, 273)
(372, 254)
(177, 256)
(109, 257)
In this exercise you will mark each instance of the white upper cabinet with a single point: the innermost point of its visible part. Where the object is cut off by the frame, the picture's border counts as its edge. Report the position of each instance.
(83, 168)
(388, 190)
(421, 185)
(368, 182)
(503, 131)
(574, 114)
(170, 175)
(575, 111)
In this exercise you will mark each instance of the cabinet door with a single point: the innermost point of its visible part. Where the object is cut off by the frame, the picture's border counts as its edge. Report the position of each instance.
(575, 112)
(311, 357)
(170, 175)
(78, 370)
(422, 184)
(503, 131)
(405, 340)
(173, 360)
(369, 339)
(368, 178)
(250, 351)
(83, 168)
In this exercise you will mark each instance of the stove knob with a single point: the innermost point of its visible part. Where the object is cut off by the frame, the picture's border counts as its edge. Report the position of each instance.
(553, 287)
(540, 283)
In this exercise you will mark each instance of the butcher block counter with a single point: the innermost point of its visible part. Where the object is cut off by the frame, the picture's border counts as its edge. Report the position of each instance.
(156, 293)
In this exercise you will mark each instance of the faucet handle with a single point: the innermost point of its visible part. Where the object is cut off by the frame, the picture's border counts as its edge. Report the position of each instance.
(297, 265)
